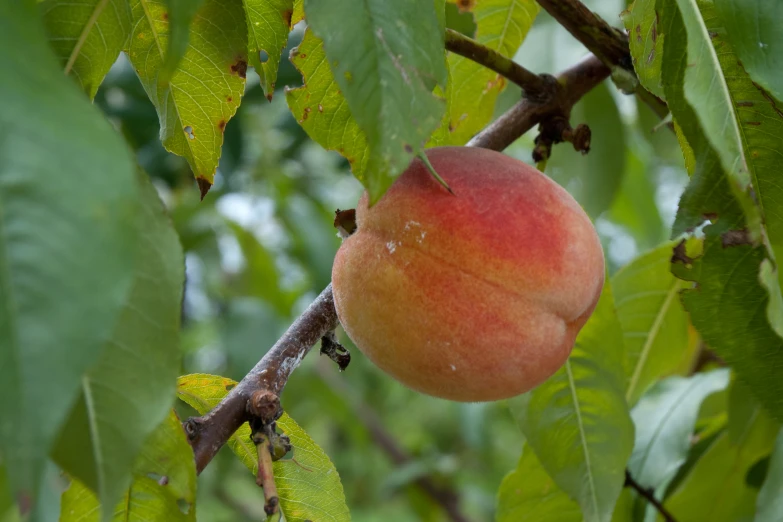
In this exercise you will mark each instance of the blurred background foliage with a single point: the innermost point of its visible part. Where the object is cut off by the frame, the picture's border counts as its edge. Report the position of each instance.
(260, 247)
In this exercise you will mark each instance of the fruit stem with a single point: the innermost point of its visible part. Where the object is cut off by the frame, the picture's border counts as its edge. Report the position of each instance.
(423, 157)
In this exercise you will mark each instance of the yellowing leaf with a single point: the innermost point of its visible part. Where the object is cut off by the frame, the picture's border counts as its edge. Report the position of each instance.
(320, 107)
(205, 89)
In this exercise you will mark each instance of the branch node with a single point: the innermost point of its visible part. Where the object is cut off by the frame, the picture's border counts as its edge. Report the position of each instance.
(265, 405)
(192, 427)
(579, 137)
(331, 347)
(556, 129)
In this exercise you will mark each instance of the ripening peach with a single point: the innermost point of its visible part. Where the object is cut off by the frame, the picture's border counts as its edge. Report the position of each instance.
(476, 296)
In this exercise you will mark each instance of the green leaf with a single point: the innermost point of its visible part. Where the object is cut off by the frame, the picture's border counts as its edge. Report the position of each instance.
(310, 488)
(665, 418)
(753, 28)
(708, 194)
(707, 92)
(180, 15)
(646, 44)
(761, 125)
(595, 179)
(144, 501)
(769, 503)
(268, 24)
(321, 110)
(163, 486)
(528, 494)
(655, 325)
(578, 423)
(387, 57)
(167, 453)
(68, 205)
(131, 387)
(315, 493)
(87, 37)
(501, 25)
(728, 308)
(720, 473)
(207, 86)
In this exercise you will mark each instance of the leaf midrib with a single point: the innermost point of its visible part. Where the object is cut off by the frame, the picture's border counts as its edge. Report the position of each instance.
(718, 72)
(99, 7)
(582, 436)
(653, 334)
(155, 37)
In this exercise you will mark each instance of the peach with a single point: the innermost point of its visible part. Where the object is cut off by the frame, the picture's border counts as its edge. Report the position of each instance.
(471, 297)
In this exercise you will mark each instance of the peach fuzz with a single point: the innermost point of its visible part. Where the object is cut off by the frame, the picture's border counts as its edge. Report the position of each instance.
(470, 297)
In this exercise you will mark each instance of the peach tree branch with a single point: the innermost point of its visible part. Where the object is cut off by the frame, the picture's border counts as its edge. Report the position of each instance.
(608, 44)
(257, 396)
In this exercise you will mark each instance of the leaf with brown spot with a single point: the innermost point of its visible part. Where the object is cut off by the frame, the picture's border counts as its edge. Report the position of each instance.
(732, 238)
(203, 186)
(761, 130)
(333, 126)
(679, 254)
(239, 68)
(646, 47)
(465, 5)
(203, 79)
(268, 25)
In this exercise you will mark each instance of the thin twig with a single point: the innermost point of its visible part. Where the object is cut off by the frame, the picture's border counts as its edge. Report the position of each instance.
(608, 44)
(649, 495)
(445, 497)
(537, 88)
(265, 478)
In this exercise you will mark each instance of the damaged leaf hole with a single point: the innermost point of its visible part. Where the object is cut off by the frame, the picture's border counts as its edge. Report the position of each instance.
(263, 56)
(189, 131)
(183, 505)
